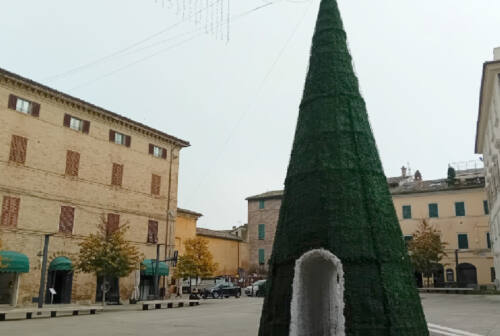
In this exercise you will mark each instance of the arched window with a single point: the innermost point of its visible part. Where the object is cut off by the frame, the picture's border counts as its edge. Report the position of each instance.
(318, 295)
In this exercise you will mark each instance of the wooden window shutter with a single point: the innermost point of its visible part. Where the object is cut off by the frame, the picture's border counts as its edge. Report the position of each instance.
(72, 163)
(18, 148)
(117, 174)
(152, 231)
(155, 184)
(164, 153)
(35, 109)
(111, 135)
(86, 127)
(12, 102)
(151, 149)
(10, 211)
(128, 140)
(67, 120)
(66, 220)
(113, 223)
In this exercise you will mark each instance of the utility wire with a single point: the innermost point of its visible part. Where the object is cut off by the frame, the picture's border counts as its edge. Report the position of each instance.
(166, 49)
(252, 103)
(118, 52)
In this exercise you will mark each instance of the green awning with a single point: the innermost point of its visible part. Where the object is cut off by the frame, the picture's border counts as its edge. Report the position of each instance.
(61, 264)
(149, 267)
(14, 262)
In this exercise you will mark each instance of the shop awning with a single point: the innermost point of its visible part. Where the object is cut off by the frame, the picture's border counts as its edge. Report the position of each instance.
(14, 262)
(149, 266)
(61, 264)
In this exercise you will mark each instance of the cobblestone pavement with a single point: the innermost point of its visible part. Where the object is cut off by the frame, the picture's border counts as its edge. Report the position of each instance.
(448, 315)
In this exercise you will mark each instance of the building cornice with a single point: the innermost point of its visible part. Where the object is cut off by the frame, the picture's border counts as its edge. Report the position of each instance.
(189, 212)
(18, 81)
(490, 70)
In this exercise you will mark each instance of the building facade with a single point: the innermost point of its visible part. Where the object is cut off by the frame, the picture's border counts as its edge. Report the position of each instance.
(229, 251)
(66, 165)
(459, 211)
(488, 144)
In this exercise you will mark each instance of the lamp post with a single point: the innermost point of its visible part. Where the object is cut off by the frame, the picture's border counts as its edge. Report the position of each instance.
(44, 270)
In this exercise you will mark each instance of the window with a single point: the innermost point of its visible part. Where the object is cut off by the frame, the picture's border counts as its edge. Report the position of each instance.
(486, 208)
(408, 239)
(493, 274)
(158, 152)
(459, 209)
(117, 174)
(72, 163)
(18, 146)
(152, 232)
(488, 240)
(155, 184)
(66, 219)
(433, 210)
(24, 106)
(76, 123)
(463, 241)
(262, 204)
(406, 211)
(10, 211)
(262, 231)
(450, 275)
(119, 138)
(113, 223)
(262, 258)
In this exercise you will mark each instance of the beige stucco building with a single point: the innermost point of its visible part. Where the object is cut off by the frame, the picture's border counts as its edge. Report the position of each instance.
(434, 201)
(64, 164)
(488, 144)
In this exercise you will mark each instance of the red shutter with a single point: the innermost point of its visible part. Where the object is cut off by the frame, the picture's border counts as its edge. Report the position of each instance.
(18, 148)
(86, 126)
(155, 184)
(66, 219)
(111, 135)
(164, 153)
(128, 140)
(12, 101)
(10, 211)
(72, 163)
(35, 109)
(152, 232)
(5, 211)
(113, 223)
(67, 120)
(151, 148)
(117, 174)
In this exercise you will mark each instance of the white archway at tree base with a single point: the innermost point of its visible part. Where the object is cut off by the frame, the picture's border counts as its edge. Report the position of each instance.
(317, 306)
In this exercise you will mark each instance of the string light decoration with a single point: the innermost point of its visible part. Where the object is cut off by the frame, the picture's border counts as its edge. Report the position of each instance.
(214, 16)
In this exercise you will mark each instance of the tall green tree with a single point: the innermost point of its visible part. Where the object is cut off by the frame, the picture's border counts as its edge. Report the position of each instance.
(426, 249)
(107, 253)
(336, 198)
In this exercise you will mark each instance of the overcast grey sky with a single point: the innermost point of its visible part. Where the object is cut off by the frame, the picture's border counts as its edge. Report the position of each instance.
(419, 65)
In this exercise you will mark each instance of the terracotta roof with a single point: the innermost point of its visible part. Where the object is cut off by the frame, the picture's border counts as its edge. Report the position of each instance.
(189, 212)
(217, 234)
(78, 101)
(267, 195)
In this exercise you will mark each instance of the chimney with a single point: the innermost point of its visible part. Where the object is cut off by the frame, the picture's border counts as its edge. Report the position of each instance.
(496, 54)
(403, 171)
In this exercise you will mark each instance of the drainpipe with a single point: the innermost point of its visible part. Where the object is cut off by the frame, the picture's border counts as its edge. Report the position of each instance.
(44, 270)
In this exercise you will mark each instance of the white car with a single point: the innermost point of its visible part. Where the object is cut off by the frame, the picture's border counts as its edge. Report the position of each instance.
(256, 286)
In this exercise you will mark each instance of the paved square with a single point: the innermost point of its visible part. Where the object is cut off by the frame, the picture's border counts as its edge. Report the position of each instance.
(455, 315)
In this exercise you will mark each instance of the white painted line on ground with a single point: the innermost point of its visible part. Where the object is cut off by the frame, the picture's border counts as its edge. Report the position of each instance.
(439, 332)
(449, 331)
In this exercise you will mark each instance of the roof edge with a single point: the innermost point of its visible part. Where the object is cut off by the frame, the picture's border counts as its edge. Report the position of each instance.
(189, 212)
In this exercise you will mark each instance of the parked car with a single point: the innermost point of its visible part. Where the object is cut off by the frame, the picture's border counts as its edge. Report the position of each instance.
(225, 289)
(257, 290)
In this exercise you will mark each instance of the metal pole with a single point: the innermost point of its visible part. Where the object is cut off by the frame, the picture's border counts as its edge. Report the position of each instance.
(157, 267)
(456, 267)
(44, 270)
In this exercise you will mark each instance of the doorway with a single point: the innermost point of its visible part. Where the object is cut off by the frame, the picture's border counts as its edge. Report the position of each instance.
(113, 295)
(8, 288)
(466, 275)
(62, 283)
(318, 295)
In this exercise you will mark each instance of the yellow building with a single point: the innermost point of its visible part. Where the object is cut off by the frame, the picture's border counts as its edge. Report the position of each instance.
(459, 211)
(230, 252)
(65, 163)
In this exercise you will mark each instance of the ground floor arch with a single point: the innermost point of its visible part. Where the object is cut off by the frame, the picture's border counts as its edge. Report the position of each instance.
(318, 295)
(59, 281)
(466, 275)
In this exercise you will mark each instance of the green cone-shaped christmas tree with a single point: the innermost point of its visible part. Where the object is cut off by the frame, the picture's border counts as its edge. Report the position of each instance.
(337, 199)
